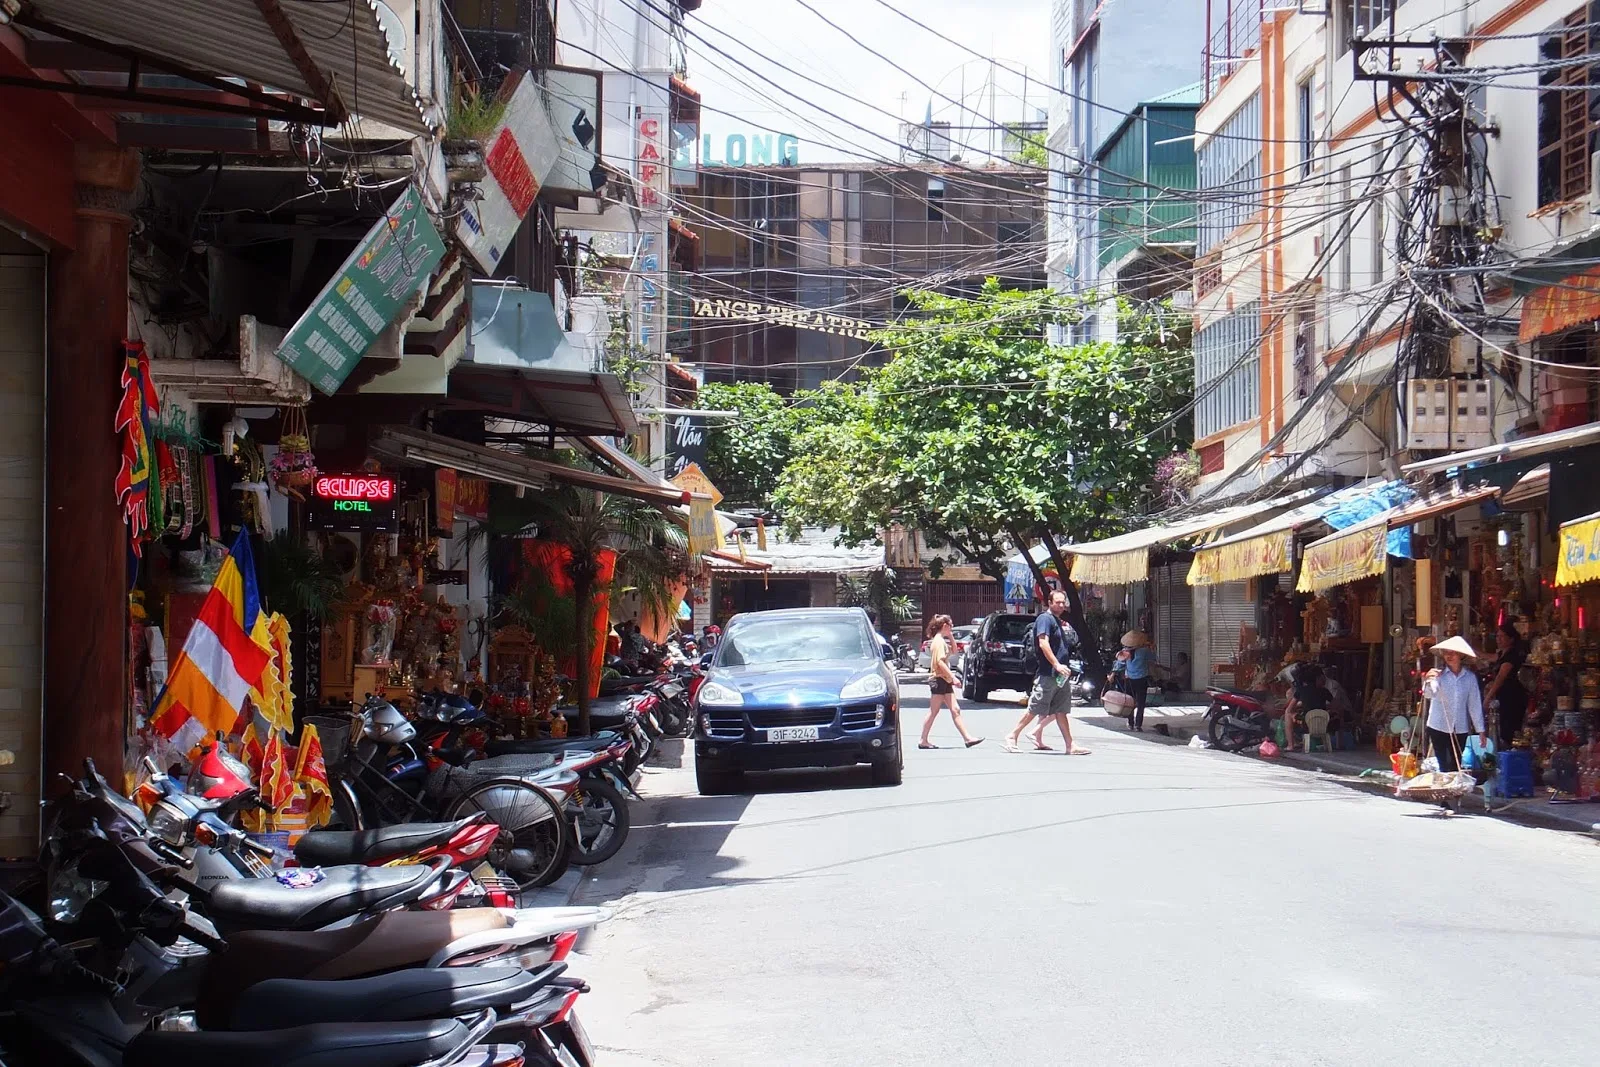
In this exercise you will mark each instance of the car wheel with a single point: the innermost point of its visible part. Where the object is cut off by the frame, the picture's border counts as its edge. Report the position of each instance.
(887, 773)
(980, 692)
(714, 782)
(968, 690)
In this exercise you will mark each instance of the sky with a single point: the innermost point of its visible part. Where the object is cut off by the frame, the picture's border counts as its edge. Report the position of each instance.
(859, 87)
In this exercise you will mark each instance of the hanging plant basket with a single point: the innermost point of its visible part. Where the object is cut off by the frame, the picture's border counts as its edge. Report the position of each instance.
(294, 468)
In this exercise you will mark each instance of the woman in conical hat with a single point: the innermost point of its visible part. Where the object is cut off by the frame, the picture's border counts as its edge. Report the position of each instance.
(1455, 710)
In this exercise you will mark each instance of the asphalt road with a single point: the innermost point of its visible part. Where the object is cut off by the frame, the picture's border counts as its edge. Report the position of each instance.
(1146, 904)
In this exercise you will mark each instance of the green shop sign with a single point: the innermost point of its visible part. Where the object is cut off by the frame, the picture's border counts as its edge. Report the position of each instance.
(390, 264)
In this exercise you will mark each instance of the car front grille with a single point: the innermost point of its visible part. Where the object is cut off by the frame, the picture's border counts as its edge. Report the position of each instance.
(859, 716)
(725, 722)
(767, 718)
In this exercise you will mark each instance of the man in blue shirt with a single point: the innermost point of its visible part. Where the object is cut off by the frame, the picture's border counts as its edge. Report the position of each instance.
(1051, 695)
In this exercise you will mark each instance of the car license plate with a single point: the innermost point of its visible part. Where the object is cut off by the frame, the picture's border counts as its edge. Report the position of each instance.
(792, 733)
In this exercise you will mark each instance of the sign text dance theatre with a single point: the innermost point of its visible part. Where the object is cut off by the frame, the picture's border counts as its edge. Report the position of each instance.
(779, 315)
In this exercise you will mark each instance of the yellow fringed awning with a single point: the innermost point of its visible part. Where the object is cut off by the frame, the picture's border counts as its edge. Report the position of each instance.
(1125, 558)
(1345, 557)
(1237, 561)
(1578, 559)
(1119, 568)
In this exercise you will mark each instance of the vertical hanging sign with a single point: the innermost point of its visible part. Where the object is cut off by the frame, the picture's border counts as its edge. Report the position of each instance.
(654, 173)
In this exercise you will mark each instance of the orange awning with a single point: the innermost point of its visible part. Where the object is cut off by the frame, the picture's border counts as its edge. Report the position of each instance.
(1571, 302)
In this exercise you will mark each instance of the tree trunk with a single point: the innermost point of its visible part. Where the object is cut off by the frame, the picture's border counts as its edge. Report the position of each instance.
(1094, 661)
(583, 593)
(1038, 571)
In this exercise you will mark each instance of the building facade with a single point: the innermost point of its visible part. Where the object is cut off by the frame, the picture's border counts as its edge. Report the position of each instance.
(1108, 57)
(798, 262)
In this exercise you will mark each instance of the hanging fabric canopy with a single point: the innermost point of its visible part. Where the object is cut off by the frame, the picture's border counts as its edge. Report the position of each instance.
(1268, 547)
(1362, 550)
(1125, 558)
(1578, 559)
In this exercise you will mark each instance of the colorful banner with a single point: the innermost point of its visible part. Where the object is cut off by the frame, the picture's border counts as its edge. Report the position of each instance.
(444, 501)
(390, 264)
(1267, 554)
(1579, 557)
(1344, 558)
(472, 498)
(703, 526)
(551, 559)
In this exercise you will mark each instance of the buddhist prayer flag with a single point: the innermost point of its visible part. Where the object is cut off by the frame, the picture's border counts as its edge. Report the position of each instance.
(220, 663)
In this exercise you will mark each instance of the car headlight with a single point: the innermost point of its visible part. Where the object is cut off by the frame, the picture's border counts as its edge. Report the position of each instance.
(868, 685)
(718, 695)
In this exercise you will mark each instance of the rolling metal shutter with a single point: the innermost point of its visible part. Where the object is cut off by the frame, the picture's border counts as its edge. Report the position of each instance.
(1229, 611)
(1172, 602)
(22, 341)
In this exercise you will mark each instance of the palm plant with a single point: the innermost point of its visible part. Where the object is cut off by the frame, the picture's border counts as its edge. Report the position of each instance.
(651, 551)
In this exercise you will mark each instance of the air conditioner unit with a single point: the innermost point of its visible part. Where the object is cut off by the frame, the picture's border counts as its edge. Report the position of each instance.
(1471, 414)
(1428, 422)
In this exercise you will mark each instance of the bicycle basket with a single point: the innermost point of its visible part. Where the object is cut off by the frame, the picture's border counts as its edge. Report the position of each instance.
(334, 733)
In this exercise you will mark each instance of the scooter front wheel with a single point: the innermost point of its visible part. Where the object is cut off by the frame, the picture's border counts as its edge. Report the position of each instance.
(600, 822)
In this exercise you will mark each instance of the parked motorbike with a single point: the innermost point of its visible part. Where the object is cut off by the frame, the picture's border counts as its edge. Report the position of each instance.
(1238, 719)
(102, 864)
(384, 779)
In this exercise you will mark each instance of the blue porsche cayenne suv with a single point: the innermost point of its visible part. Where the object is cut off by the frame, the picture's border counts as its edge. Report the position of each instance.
(802, 687)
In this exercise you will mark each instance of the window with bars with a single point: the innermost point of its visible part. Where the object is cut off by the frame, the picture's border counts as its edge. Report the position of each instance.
(1227, 371)
(1361, 18)
(1229, 172)
(1566, 130)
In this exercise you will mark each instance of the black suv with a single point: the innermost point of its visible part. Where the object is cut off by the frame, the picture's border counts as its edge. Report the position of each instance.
(993, 658)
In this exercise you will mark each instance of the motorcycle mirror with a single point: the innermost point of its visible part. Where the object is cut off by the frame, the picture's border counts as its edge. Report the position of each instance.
(705, 662)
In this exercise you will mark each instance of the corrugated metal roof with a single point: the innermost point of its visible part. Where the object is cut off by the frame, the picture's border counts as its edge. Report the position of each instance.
(232, 38)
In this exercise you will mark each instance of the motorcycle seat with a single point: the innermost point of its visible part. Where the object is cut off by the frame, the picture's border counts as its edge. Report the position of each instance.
(388, 942)
(610, 720)
(318, 1045)
(1253, 696)
(440, 993)
(330, 848)
(339, 892)
(551, 745)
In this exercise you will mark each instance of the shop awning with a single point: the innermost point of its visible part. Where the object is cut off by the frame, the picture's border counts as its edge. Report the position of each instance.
(1578, 558)
(1531, 490)
(1537, 445)
(1573, 301)
(1362, 550)
(1125, 558)
(814, 553)
(338, 55)
(508, 468)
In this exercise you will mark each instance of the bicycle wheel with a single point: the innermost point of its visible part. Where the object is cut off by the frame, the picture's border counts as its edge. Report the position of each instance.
(535, 841)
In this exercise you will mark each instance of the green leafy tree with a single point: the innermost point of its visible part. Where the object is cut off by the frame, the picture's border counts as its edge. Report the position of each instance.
(981, 433)
(746, 453)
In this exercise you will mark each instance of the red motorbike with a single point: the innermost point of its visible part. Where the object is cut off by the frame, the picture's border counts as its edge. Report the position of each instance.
(1239, 718)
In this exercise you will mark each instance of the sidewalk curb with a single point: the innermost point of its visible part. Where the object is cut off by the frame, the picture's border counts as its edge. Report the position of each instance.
(1305, 764)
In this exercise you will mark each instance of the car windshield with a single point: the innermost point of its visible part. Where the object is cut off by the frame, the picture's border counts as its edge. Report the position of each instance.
(1011, 627)
(762, 641)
